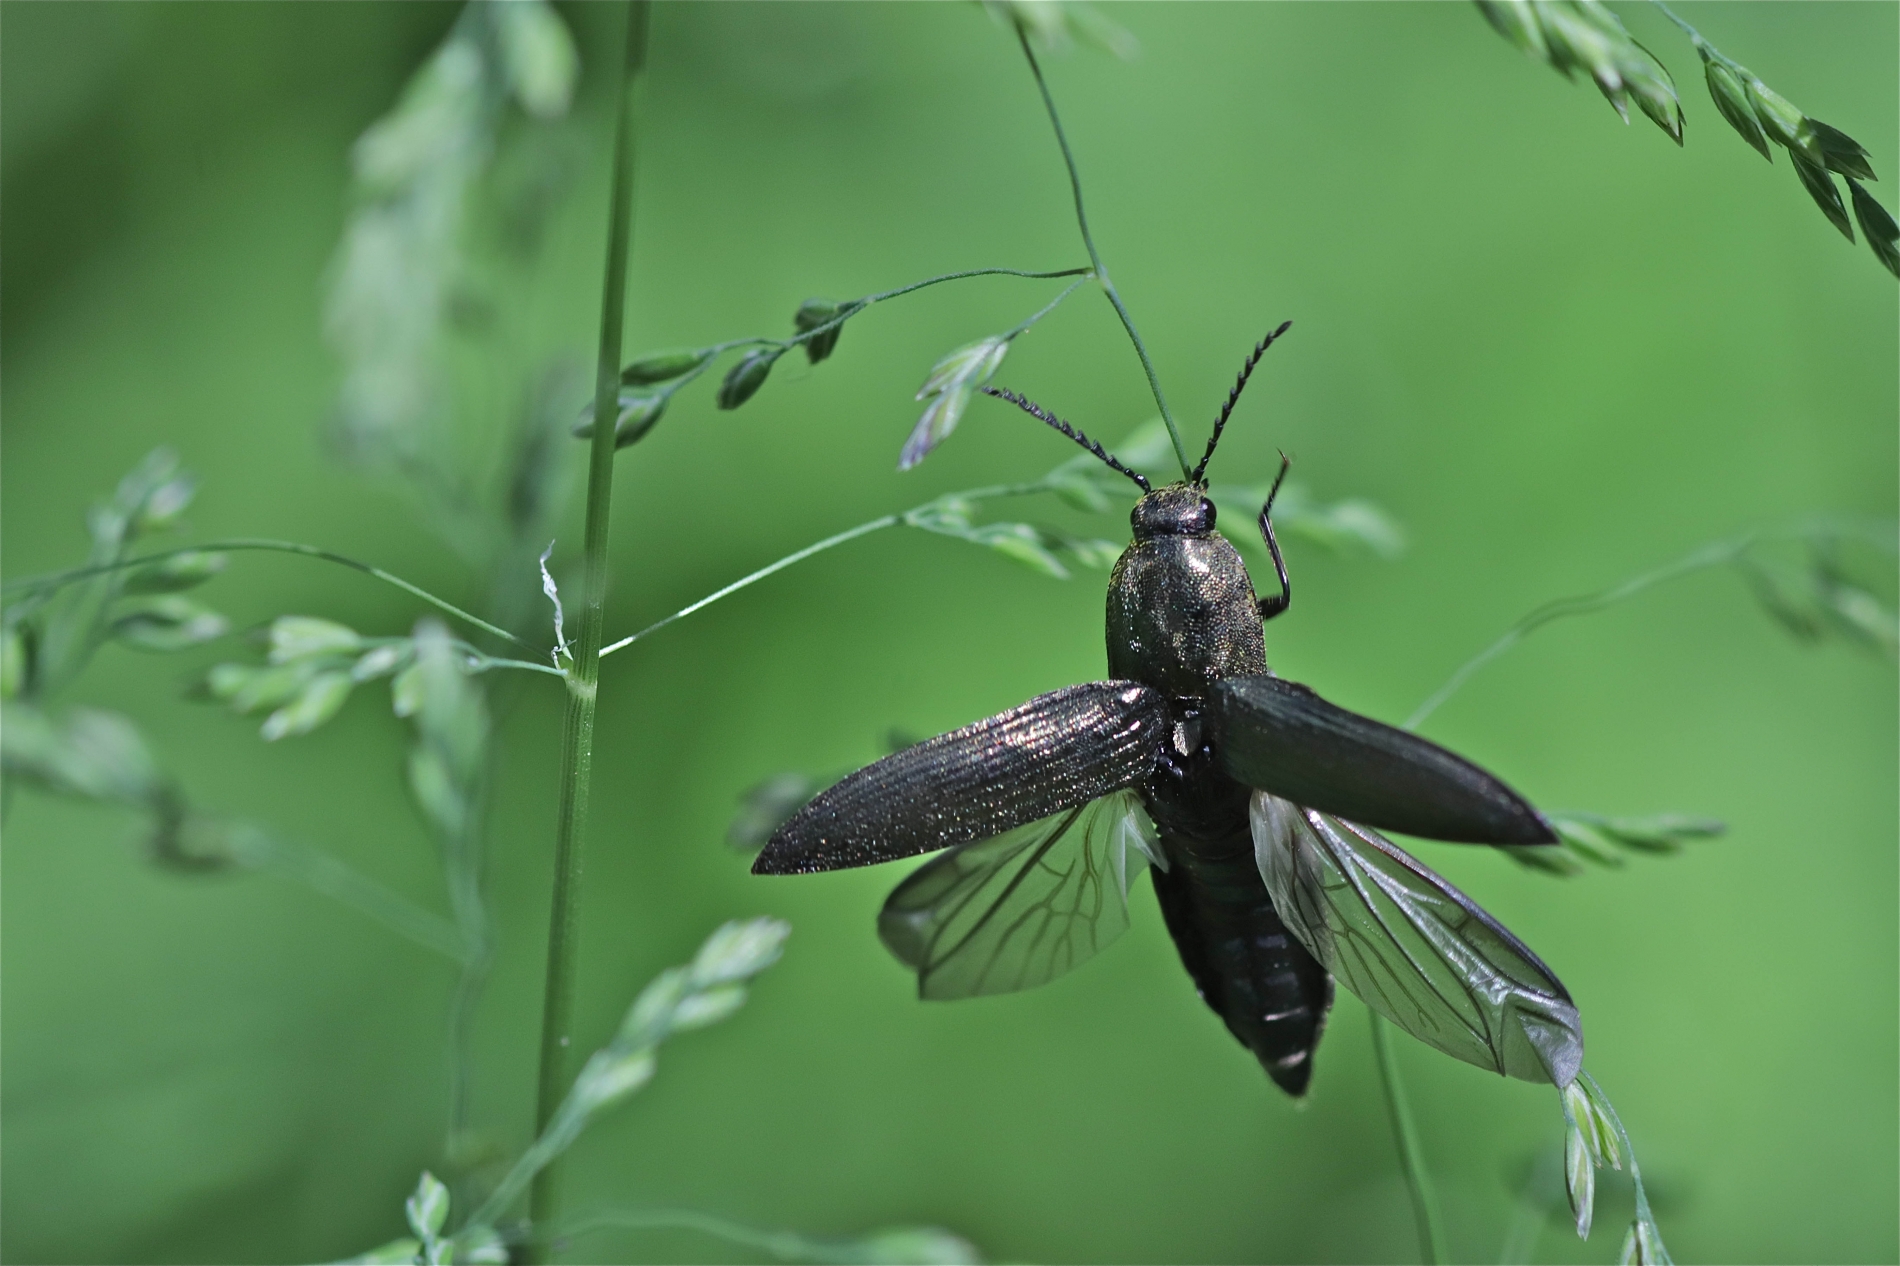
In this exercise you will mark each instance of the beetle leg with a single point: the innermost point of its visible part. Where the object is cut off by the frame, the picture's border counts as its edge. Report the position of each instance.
(1270, 607)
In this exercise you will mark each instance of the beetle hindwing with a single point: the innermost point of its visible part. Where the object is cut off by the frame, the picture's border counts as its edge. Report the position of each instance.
(1414, 948)
(1016, 911)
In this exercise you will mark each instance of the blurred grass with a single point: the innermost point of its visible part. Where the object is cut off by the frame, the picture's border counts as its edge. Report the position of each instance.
(1559, 350)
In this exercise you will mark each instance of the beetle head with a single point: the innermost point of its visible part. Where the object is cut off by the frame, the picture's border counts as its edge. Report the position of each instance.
(1176, 510)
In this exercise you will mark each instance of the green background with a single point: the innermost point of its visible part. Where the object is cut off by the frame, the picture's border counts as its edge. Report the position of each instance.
(1559, 350)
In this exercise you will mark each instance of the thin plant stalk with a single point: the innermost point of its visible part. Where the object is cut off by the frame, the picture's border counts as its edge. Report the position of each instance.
(463, 863)
(1095, 256)
(787, 1246)
(819, 331)
(37, 585)
(478, 663)
(1045, 310)
(1715, 554)
(1702, 45)
(331, 877)
(583, 674)
(1643, 1212)
(849, 310)
(819, 547)
(1418, 1180)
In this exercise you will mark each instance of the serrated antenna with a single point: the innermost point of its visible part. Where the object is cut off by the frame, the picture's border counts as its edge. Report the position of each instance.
(1233, 398)
(1035, 410)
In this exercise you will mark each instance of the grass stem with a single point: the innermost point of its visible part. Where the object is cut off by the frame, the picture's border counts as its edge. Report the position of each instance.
(1095, 256)
(788, 1246)
(463, 864)
(577, 731)
(882, 295)
(36, 585)
(1643, 1212)
(1703, 46)
(1716, 554)
(1732, 550)
(1418, 1181)
(325, 874)
(819, 547)
(1045, 310)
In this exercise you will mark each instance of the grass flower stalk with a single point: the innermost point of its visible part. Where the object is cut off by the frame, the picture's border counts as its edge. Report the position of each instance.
(583, 671)
(1095, 256)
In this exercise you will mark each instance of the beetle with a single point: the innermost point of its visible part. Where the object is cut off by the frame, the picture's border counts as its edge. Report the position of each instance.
(1256, 804)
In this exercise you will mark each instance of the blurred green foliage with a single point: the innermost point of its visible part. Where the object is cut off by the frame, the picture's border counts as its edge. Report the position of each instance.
(1557, 350)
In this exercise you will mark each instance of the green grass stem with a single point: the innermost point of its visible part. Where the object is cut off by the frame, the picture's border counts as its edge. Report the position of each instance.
(788, 1246)
(1095, 256)
(1418, 1180)
(1715, 554)
(35, 585)
(577, 731)
(322, 873)
(819, 547)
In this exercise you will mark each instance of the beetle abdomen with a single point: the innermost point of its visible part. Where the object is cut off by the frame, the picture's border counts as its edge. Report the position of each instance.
(1250, 970)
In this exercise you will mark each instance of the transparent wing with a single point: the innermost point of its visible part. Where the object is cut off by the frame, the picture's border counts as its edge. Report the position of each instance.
(1019, 909)
(1414, 948)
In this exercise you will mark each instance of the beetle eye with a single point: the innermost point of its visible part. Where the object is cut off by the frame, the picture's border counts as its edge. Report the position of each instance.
(1207, 513)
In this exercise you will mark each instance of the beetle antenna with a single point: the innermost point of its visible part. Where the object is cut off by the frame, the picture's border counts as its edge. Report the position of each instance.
(1286, 464)
(1035, 410)
(1233, 398)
